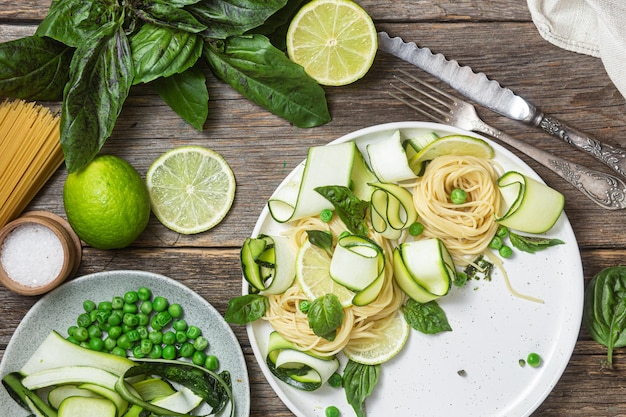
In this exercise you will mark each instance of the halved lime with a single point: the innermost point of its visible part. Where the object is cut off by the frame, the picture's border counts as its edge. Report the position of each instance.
(451, 145)
(387, 339)
(313, 275)
(334, 40)
(191, 188)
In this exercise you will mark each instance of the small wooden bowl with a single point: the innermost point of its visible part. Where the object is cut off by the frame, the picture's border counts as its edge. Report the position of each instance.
(70, 243)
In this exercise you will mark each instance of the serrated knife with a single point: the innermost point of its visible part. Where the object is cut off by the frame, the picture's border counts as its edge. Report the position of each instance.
(489, 93)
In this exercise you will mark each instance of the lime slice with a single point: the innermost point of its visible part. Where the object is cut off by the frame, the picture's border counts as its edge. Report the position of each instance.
(313, 275)
(389, 337)
(454, 145)
(334, 40)
(191, 189)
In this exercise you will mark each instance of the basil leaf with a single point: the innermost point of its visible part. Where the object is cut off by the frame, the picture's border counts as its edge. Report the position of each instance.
(321, 238)
(34, 68)
(428, 318)
(325, 315)
(187, 94)
(359, 382)
(235, 17)
(604, 312)
(532, 244)
(73, 21)
(161, 52)
(351, 210)
(246, 309)
(276, 26)
(263, 74)
(162, 13)
(101, 74)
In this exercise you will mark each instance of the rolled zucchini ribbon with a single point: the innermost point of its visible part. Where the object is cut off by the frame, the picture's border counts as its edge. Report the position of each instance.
(391, 209)
(300, 369)
(269, 263)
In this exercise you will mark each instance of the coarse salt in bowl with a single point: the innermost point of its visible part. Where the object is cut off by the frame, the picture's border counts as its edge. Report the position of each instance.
(38, 251)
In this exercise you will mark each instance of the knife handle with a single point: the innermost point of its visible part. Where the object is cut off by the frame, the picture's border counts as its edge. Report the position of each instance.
(607, 154)
(604, 189)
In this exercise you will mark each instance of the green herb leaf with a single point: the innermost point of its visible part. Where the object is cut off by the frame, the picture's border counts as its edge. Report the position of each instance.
(263, 74)
(73, 21)
(351, 210)
(604, 313)
(187, 94)
(34, 68)
(325, 316)
(161, 52)
(320, 238)
(164, 14)
(101, 74)
(276, 26)
(428, 318)
(359, 382)
(215, 389)
(246, 309)
(532, 244)
(235, 17)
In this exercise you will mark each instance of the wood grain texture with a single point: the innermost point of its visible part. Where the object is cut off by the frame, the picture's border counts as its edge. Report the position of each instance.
(495, 37)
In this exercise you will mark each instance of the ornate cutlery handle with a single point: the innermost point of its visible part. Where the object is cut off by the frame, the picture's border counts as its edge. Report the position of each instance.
(609, 155)
(604, 189)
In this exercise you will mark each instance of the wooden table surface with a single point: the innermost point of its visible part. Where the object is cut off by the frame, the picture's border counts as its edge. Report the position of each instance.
(493, 36)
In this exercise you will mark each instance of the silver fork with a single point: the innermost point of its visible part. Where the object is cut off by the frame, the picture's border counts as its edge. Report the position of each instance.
(606, 190)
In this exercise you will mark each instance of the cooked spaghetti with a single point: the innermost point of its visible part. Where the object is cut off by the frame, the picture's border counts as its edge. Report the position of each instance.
(31, 153)
(467, 228)
(285, 316)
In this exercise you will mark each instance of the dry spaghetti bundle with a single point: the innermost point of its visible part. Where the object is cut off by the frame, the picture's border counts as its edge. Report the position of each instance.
(30, 152)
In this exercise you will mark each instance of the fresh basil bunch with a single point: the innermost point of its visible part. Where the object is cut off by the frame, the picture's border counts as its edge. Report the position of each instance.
(604, 313)
(89, 53)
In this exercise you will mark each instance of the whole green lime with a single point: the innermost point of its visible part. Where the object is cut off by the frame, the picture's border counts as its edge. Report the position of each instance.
(107, 202)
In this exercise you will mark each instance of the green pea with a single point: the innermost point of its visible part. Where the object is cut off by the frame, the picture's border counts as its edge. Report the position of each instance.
(71, 330)
(416, 229)
(73, 340)
(84, 344)
(326, 215)
(193, 332)
(143, 332)
(332, 411)
(145, 346)
(105, 306)
(124, 342)
(117, 303)
(186, 350)
(146, 307)
(179, 325)
(335, 380)
(496, 242)
(130, 308)
(130, 319)
(533, 360)
(103, 316)
(109, 344)
(93, 315)
(156, 352)
(96, 344)
(138, 353)
(115, 332)
(81, 334)
(458, 196)
(89, 305)
(169, 338)
(83, 320)
(175, 310)
(131, 297)
(201, 343)
(305, 305)
(119, 351)
(144, 293)
(163, 318)
(502, 231)
(160, 304)
(94, 331)
(505, 251)
(169, 352)
(156, 337)
(133, 335)
(212, 363)
(181, 337)
(198, 358)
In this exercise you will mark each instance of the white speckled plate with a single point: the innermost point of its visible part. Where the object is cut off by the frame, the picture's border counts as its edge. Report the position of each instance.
(59, 309)
(492, 329)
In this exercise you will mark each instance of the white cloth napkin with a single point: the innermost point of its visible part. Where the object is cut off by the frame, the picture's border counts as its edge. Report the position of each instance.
(592, 27)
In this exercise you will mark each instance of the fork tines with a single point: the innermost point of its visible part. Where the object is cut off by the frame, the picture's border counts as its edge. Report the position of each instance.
(414, 90)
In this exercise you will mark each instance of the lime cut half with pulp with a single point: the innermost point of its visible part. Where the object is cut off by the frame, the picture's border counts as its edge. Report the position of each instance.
(191, 188)
(335, 41)
(313, 275)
